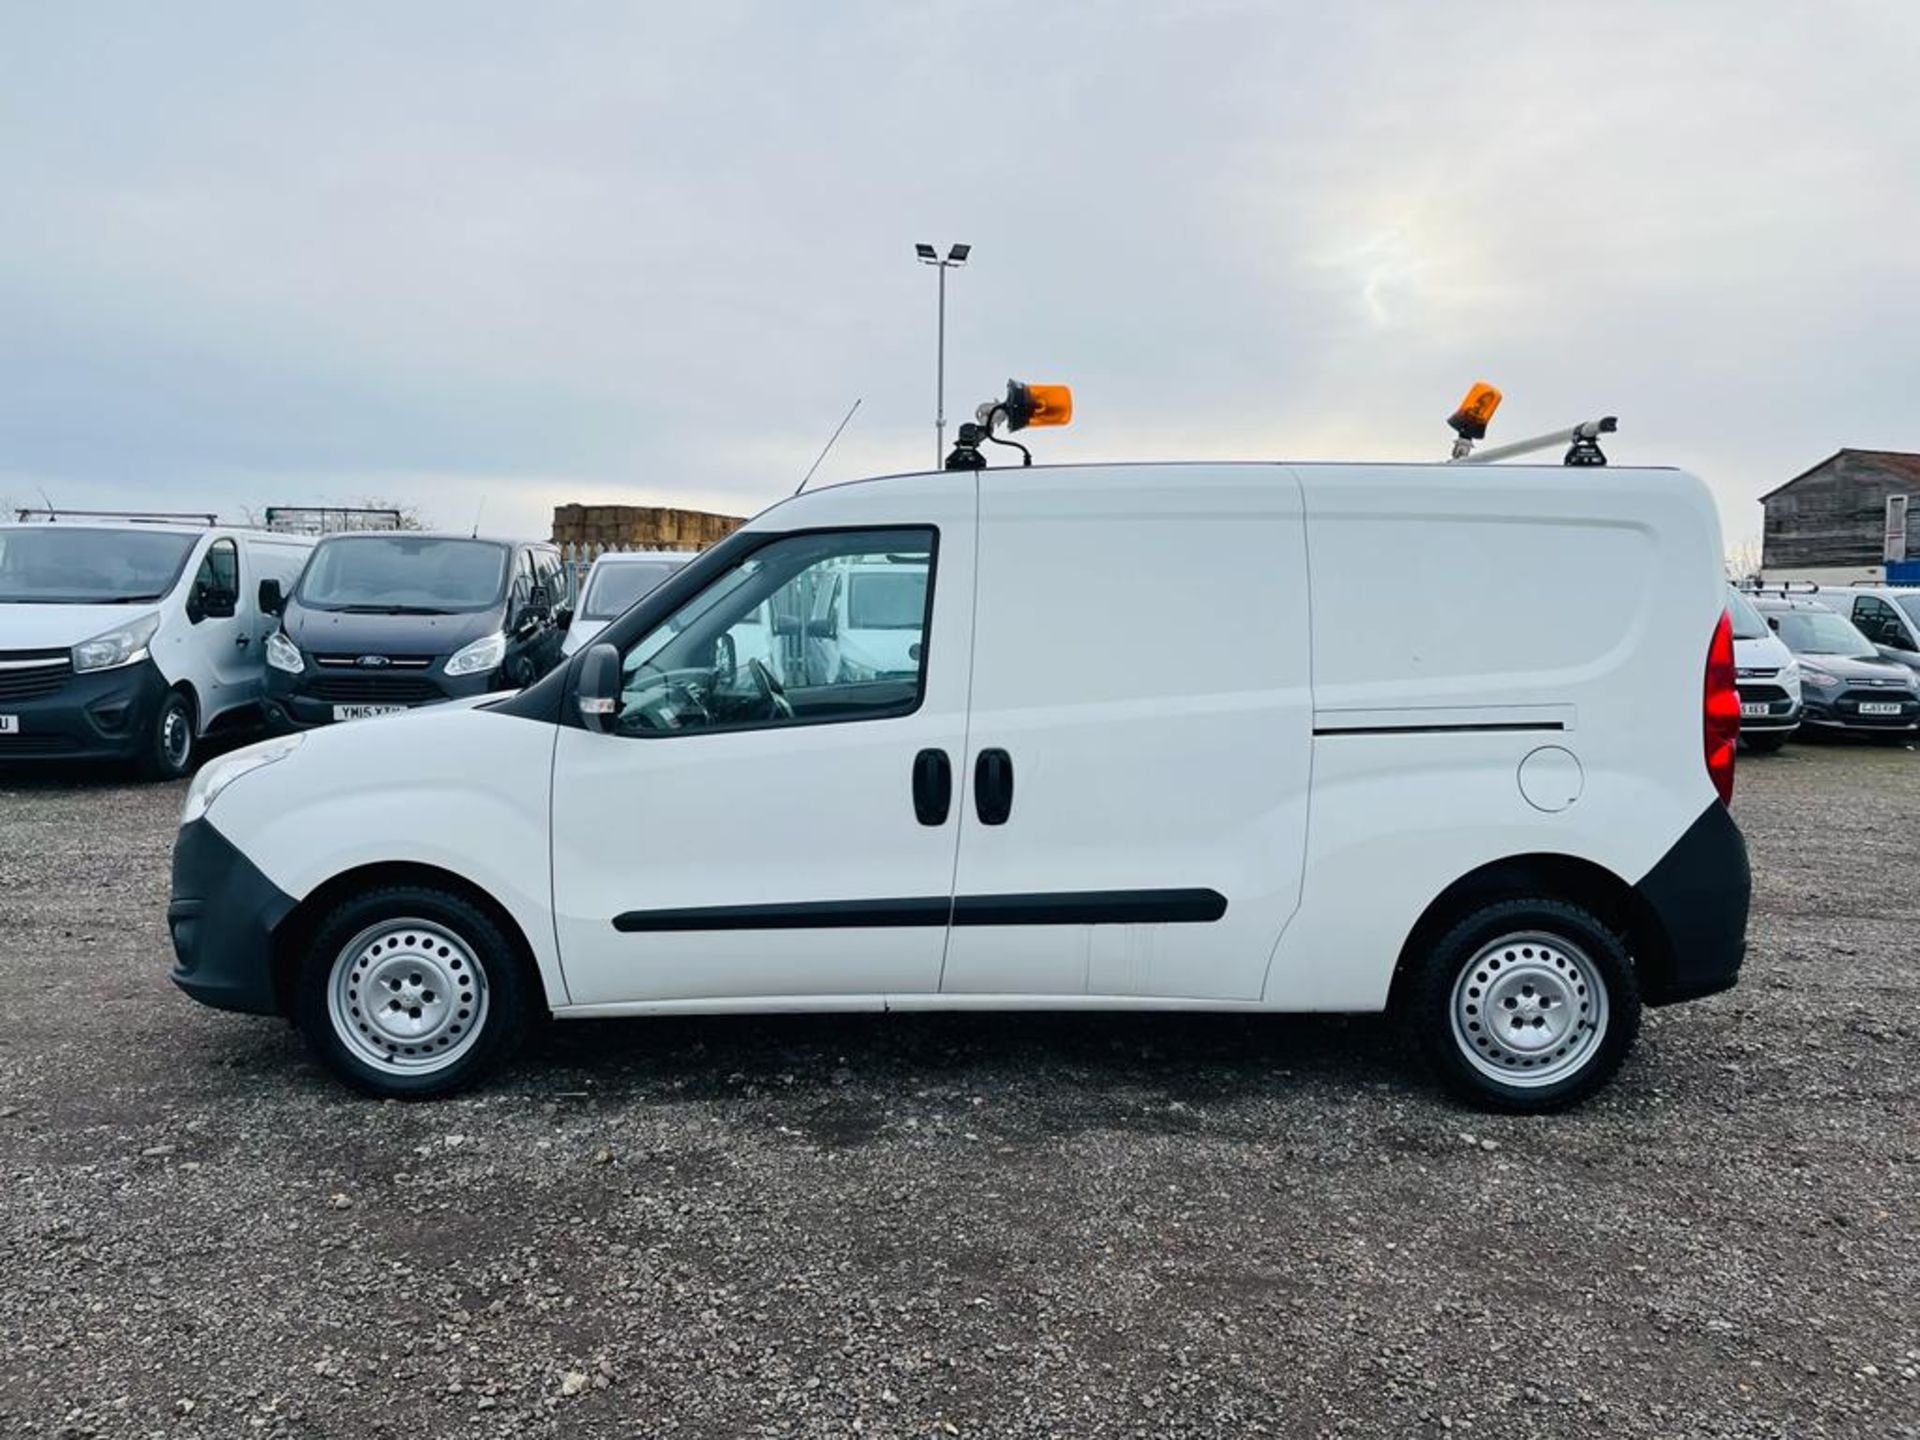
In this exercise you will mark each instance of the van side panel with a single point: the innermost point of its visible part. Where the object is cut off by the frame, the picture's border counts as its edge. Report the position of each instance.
(1466, 619)
(1140, 660)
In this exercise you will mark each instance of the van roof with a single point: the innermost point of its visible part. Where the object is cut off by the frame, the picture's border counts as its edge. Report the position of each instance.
(162, 527)
(339, 535)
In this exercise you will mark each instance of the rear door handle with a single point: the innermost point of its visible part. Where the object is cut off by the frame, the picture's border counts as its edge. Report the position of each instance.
(243, 640)
(932, 787)
(993, 786)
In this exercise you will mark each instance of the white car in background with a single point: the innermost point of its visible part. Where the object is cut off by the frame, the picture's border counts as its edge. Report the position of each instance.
(1768, 677)
(616, 580)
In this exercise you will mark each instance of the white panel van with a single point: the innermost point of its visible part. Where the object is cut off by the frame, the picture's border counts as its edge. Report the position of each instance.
(124, 639)
(1252, 784)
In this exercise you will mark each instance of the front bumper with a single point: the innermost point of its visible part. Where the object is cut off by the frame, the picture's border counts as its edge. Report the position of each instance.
(306, 700)
(1841, 711)
(1694, 903)
(222, 917)
(1782, 710)
(95, 715)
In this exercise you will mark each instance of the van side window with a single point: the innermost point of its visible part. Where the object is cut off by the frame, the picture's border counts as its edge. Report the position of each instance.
(216, 584)
(1879, 623)
(548, 571)
(807, 629)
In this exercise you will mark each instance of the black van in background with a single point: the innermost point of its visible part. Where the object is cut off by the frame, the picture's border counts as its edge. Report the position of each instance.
(387, 620)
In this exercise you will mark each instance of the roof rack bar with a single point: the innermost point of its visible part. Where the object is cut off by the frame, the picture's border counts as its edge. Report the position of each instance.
(1579, 438)
(331, 519)
(139, 517)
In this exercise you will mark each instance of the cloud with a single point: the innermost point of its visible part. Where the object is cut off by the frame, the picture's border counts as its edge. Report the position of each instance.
(281, 253)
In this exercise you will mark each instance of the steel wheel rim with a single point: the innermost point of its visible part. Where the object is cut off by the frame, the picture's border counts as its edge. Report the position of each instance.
(176, 737)
(1529, 1010)
(407, 996)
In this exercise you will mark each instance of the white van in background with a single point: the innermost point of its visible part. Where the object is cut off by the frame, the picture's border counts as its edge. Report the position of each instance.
(1166, 743)
(1768, 675)
(614, 581)
(1888, 615)
(125, 639)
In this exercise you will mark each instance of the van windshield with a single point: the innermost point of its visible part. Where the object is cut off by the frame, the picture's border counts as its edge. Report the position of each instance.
(1821, 632)
(883, 600)
(1747, 621)
(615, 587)
(65, 565)
(404, 575)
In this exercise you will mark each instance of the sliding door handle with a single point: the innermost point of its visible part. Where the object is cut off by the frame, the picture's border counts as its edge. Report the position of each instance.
(993, 786)
(932, 787)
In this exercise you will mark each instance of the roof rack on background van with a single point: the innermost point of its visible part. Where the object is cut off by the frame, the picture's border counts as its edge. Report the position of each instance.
(138, 517)
(331, 519)
(1470, 423)
(1779, 587)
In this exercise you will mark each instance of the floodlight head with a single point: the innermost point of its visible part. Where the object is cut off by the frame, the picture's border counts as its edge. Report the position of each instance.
(927, 253)
(958, 254)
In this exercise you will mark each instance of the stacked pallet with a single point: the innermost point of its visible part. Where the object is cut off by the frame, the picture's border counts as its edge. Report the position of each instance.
(639, 527)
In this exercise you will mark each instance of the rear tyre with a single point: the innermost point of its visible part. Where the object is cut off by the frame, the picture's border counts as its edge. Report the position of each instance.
(409, 993)
(1765, 744)
(168, 751)
(1526, 1006)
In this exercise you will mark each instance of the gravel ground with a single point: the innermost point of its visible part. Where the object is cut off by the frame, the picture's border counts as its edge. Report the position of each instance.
(908, 1226)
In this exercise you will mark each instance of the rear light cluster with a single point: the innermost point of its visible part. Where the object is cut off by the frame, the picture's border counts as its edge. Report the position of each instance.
(1721, 709)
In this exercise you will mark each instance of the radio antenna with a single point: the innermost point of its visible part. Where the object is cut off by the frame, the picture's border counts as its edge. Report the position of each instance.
(829, 445)
(478, 511)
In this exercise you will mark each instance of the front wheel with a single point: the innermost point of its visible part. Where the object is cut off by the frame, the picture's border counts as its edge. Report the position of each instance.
(410, 993)
(1526, 1006)
(168, 750)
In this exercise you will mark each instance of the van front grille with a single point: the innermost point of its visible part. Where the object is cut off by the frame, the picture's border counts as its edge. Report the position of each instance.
(374, 689)
(29, 674)
(1757, 694)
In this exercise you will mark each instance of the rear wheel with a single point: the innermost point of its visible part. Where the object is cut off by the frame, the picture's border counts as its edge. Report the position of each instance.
(168, 750)
(409, 993)
(1526, 1006)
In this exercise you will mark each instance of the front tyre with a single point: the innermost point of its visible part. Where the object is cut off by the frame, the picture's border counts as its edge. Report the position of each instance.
(1526, 1006)
(409, 993)
(167, 752)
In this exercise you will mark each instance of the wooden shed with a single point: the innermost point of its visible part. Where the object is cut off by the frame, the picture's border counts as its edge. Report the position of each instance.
(1833, 517)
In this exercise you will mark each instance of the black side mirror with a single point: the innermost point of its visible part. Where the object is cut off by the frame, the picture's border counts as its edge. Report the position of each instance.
(563, 617)
(822, 627)
(540, 600)
(1773, 622)
(596, 688)
(273, 600)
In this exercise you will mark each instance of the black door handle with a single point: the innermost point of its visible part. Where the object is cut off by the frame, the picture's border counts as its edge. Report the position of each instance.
(993, 786)
(242, 640)
(932, 787)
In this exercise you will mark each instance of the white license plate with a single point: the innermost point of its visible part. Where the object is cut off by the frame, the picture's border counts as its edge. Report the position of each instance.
(1755, 711)
(1879, 707)
(364, 712)
(9, 724)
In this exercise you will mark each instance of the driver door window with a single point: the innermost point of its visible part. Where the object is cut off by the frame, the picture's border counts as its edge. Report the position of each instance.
(216, 584)
(774, 641)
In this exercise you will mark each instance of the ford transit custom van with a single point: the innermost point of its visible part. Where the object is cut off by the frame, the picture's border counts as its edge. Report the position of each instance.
(1037, 783)
(383, 621)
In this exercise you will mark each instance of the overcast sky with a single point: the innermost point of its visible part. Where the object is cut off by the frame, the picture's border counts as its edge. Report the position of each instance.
(527, 254)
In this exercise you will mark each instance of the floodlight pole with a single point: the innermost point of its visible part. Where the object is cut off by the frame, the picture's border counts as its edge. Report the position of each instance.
(956, 256)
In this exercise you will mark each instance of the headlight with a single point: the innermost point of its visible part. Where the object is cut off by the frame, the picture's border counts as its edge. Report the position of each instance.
(126, 645)
(283, 654)
(479, 657)
(217, 775)
(1816, 677)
